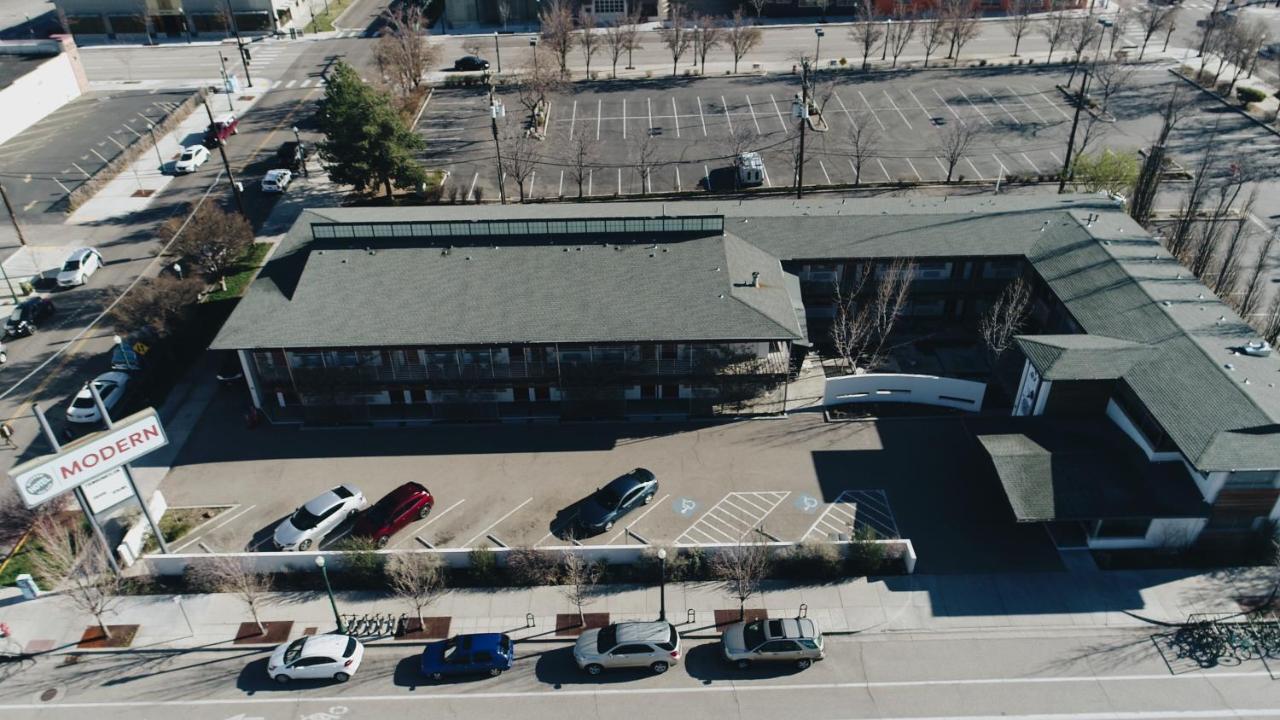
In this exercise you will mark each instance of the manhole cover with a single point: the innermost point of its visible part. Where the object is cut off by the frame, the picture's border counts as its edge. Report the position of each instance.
(48, 695)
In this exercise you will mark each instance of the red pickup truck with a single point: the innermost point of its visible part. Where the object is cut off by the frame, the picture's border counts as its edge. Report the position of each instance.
(222, 127)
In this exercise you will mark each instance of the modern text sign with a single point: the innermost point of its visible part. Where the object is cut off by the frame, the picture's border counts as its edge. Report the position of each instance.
(44, 478)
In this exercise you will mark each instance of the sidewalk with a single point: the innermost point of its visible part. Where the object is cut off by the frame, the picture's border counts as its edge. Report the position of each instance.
(1014, 603)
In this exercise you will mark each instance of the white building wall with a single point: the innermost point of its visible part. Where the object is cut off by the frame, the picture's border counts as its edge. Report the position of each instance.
(891, 387)
(33, 96)
(1126, 425)
(1162, 533)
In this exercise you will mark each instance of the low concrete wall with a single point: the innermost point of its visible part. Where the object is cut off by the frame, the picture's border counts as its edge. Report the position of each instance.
(460, 557)
(890, 387)
(48, 85)
(140, 144)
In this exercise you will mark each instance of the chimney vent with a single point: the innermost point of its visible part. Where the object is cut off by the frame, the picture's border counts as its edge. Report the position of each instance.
(755, 279)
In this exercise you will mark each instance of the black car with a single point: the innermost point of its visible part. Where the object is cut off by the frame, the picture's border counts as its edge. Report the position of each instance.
(608, 504)
(26, 316)
(291, 155)
(471, 62)
(230, 371)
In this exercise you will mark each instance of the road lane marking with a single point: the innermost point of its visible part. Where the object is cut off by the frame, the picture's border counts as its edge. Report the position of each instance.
(495, 523)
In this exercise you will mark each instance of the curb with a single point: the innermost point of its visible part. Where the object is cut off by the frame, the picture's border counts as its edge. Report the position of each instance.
(1240, 110)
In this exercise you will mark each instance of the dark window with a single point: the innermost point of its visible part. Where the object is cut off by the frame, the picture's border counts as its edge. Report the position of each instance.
(648, 392)
(482, 656)
(634, 649)
(351, 648)
(670, 351)
(779, 646)
(520, 393)
(1123, 528)
(542, 394)
(753, 634)
(670, 392)
(607, 638)
(1144, 421)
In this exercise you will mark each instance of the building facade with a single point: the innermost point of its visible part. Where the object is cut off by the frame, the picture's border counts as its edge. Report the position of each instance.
(150, 21)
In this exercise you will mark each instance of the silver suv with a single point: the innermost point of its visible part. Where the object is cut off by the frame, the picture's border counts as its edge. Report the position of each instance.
(794, 640)
(655, 645)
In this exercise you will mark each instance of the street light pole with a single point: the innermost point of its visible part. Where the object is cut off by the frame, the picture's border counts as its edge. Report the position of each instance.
(156, 144)
(801, 109)
(888, 33)
(226, 83)
(13, 217)
(226, 164)
(244, 60)
(817, 51)
(329, 588)
(662, 584)
(497, 51)
(303, 150)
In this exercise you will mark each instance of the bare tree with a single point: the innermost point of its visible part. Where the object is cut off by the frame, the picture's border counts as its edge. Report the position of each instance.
(1082, 31)
(1055, 28)
(15, 517)
(417, 578)
(539, 80)
(69, 560)
(1149, 178)
(1120, 23)
(582, 151)
(742, 37)
(902, 29)
(740, 569)
(933, 32)
(644, 156)
(1110, 78)
(1005, 318)
(868, 307)
(588, 40)
(403, 50)
(962, 20)
(579, 577)
(1255, 288)
(677, 36)
(952, 144)
(1153, 18)
(1209, 231)
(235, 576)
(519, 160)
(160, 304)
(864, 144)
(758, 6)
(634, 40)
(617, 40)
(557, 31)
(1247, 39)
(1227, 280)
(1180, 238)
(1019, 20)
(708, 34)
(867, 31)
(1270, 323)
(213, 240)
(504, 12)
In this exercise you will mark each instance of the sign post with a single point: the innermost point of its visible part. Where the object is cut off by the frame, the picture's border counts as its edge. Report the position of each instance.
(146, 511)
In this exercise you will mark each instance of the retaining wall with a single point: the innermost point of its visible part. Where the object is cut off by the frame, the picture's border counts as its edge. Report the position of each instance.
(892, 387)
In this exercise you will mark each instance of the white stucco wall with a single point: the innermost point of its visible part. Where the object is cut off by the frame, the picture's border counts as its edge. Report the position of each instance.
(1163, 532)
(891, 387)
(48, 87)
(1126, 425)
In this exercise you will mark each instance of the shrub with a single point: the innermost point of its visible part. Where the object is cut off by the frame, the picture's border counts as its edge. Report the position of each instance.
(527, 567)
(478, 195)
(362, 566)
(1250, 95)
(864, 556)
(843, 62)
(484, 566)
(809, 561)
(982, 63)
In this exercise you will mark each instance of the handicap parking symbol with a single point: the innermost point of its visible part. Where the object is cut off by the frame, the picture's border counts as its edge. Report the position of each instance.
(807, 504)
(684, 507)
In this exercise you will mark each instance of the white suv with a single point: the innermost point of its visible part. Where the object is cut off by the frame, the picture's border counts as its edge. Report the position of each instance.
(655, 645)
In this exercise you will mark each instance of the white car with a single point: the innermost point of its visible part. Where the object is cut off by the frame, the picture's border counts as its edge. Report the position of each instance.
(654, 645)
(310, 523)
(191, 159)
(316, 657)
(79, 267)
(275, 181)
(111, 386)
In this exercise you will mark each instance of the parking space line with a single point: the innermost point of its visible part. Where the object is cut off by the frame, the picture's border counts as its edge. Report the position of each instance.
(649, 104)
(725, 106)
(573, 120)
(624, 118)
(883, 170)
(974, 105)
(548, 120)
(701, 117)
(927, 116)
(1055, 157)
(1025, 103)
(853, 510)
(86, 174)
(781, 121)
(532, 177)
(599, 115)
(913, 169)
(471, 190)
(900, 113)
(974, 168)
(947, 105)
(640, 517)
(1033, 165)
(765, 171)
(100, 157)
(824, 172)
(753, 115)
(677, 167)
(743, 503)
(434, 517)
(560, 190)
(706, 175)
(845, 109)
(591, 175)
(873, 111)
(482, 533)
(619, 181)
(1052, 104)
(676, 114)
(941, 165)
(1003, 167)
(200, 535)
(734, 516)
(1015, 120)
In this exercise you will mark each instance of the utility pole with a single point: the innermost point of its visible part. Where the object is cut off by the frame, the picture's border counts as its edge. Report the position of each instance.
(244, 58)
(496, 110)
(13, 217)
(235, 187)
(1071, 141)
(226, 81)
(801, 111)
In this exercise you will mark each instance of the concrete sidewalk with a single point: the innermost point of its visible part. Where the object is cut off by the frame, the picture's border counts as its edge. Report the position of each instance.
(1016, 603)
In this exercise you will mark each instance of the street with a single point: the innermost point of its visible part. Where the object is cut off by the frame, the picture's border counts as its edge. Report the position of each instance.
(1005, 673)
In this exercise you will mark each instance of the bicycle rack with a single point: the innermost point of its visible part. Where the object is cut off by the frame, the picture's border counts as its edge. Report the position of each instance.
(691, 616)
(529, 620)
(804, 611)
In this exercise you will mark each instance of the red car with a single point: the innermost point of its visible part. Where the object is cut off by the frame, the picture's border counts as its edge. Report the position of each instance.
(406, 504)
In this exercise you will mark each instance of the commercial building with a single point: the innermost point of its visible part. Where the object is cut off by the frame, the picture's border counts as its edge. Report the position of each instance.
(1139, 414)
(36, 78)
(149, 21)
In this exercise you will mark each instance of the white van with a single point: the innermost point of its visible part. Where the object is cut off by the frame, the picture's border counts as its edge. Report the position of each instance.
(750, 169)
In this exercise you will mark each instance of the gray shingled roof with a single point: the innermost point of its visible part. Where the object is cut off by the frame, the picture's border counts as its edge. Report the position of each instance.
(1081, 357)
(350, 297)
(1082, 470)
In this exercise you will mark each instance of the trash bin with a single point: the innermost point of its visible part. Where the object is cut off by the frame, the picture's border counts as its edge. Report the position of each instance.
(27, 584)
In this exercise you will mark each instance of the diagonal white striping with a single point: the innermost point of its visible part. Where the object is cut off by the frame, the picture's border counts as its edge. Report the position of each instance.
(733, 517)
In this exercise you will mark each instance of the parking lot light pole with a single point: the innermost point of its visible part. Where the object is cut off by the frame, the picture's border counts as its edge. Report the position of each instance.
(226, 81)
(662, 584)
(533, 43)
(817, 50)
(497, 51)
(329, 588)
(496, 110)
(303, 149)
(156, 144)
(888, 31)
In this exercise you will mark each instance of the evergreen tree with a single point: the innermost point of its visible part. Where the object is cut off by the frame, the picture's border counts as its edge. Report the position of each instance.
(367, 143)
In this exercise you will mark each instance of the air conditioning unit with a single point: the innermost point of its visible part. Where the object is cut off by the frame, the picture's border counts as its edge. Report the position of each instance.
(1257, 348)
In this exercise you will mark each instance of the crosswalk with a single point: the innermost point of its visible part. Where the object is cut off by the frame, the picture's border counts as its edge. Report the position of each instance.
(297, 84)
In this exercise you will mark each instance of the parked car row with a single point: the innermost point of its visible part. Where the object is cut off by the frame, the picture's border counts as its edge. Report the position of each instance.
(633, 645)
(311, 523)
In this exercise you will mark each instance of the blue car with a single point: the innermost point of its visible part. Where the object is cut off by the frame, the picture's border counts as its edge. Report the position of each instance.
(607, 505)
(481, 654)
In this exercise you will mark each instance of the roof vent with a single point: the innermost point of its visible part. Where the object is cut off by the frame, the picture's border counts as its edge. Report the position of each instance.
(1166, 303)
(755, 279)
(1229, 366)
(371, 251)
(444, 252)
(721, 296)
(1257, 348)
(1200, 296)
(1222, 318)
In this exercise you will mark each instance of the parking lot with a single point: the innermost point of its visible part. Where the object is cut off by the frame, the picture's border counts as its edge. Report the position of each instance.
(1020, 118)
(787, 479)
(48, 160)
